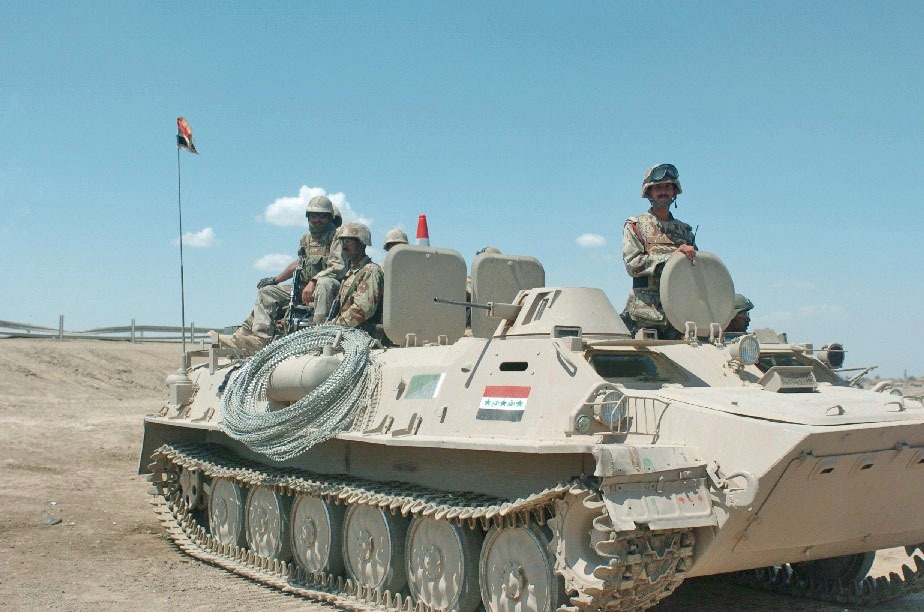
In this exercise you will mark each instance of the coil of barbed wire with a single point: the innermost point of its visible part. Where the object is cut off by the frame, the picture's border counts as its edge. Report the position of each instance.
(330, 408)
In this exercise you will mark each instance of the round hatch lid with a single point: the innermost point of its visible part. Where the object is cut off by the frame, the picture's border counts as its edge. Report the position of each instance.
(700, 291)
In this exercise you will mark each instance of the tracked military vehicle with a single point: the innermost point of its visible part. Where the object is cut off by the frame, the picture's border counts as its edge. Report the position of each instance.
(543, 458)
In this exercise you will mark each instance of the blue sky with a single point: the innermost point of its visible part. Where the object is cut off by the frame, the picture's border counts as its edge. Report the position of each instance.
(797, 128)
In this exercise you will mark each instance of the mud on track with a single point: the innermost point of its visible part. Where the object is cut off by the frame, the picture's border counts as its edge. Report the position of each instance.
(70, 430)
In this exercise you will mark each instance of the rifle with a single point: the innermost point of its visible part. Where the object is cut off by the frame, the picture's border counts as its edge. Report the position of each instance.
(298, 312)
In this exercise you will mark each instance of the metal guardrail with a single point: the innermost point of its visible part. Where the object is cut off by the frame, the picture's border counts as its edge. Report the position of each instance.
(130, 333)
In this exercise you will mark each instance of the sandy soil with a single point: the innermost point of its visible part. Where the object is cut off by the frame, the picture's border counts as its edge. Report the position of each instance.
(70, 430)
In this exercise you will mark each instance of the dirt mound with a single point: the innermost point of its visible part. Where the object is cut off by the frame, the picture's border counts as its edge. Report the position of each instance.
(91, 368)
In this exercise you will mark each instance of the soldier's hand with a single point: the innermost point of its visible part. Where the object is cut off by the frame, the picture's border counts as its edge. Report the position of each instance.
(265, 282)
(687, 250)
(308, 292)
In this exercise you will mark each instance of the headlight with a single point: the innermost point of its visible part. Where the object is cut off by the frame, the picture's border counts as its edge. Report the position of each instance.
(610, 410)
(582, 424)
(832, 355)
(896, 392)
(746, 350)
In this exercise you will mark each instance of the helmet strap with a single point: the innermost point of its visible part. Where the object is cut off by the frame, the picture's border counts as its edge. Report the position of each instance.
(668, 205)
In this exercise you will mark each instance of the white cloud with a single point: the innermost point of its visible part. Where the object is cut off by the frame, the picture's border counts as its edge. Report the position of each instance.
(274, 262)
(202, 239)
(590, 241)
(375, 254)
(289, 211)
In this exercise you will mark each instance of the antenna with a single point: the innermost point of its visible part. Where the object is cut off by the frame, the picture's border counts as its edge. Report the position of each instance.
(179, 203)
(184, 140)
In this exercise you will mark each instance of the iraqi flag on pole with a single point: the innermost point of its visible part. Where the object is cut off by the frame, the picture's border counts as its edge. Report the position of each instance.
(503, 403)
(184, 136)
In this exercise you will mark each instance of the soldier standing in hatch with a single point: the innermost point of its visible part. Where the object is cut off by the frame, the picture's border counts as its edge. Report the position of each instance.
(648, 241)
(321, 269)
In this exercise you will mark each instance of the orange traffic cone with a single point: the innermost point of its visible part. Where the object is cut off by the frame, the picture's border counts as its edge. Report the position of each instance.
(423, 233)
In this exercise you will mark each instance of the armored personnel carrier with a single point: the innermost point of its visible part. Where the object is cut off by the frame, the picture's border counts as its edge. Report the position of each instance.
(543, 458)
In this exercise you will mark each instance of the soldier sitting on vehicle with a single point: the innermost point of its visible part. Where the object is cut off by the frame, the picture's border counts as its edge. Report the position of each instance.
(320, 268)
(360, 301)
(393, 238)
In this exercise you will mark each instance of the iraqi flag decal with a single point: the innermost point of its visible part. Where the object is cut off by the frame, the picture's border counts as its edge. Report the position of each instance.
(503, 403)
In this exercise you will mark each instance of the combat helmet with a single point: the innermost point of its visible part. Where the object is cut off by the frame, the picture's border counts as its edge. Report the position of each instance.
(393, 237)
(338, 218)
(742, 304)
(355, 229)
(659, 175)
(320, 204)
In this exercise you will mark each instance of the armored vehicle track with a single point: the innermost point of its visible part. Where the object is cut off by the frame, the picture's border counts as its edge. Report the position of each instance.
(642, 567)
(855, 589)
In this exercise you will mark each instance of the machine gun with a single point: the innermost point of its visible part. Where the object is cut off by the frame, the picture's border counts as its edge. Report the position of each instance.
(299, 314)
(496, 310)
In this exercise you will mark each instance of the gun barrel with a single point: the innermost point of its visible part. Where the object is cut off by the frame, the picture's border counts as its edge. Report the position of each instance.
(460, 303)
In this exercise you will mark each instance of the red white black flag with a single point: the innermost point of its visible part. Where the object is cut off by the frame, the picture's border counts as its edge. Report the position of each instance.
(184, 136)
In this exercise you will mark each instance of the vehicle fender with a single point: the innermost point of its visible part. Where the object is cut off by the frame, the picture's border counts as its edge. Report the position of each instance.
(662, 487)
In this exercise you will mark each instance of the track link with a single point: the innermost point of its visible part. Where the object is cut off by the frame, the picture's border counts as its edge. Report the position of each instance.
(866, 591)
(641, 566)
(637, 568)
(213, 461)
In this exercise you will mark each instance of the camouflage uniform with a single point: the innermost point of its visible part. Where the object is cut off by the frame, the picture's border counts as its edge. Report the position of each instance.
(647, 244)
(320, 259)
(361, 296)
(321, 262)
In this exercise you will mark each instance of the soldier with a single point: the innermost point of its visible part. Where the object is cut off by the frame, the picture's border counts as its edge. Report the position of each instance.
(321, 265)
(320, 268)
(360, 301)
(648, 241)
(741, 320)
(393, 237)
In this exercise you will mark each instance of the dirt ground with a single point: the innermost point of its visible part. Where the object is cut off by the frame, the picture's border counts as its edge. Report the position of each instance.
(70, 431)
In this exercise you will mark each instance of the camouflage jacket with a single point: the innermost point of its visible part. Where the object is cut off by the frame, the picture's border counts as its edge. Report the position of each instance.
(319, 255)
(360, 301)
(647, 244)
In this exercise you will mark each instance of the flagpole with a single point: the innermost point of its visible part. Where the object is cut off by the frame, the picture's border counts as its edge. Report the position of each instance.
(179, 203)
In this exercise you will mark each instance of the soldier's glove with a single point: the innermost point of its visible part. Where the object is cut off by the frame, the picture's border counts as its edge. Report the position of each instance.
(265, 282)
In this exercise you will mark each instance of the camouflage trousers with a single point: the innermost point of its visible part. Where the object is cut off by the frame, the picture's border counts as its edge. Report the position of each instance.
(644, 309)
(266, 307)
(325, 297)
(272, 299)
